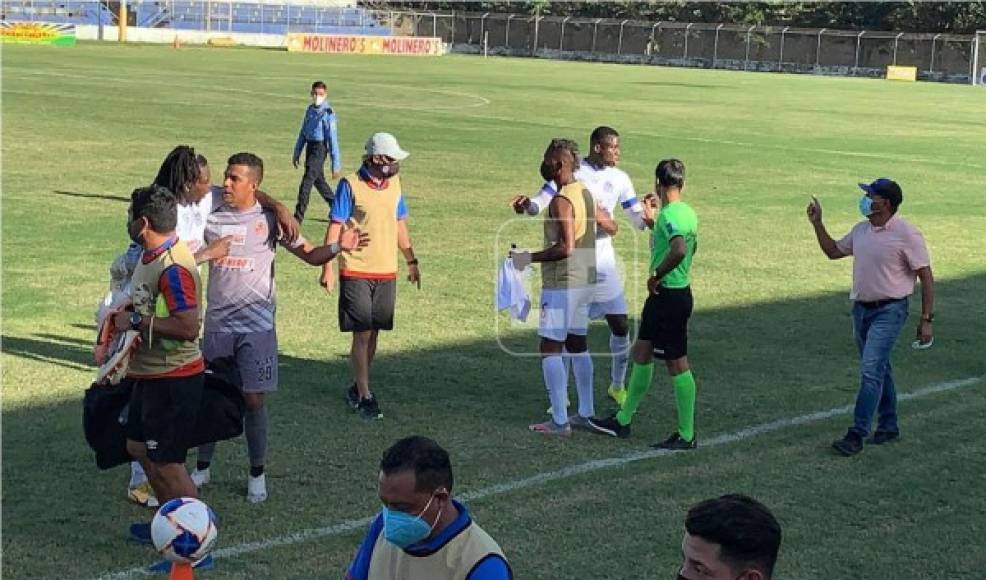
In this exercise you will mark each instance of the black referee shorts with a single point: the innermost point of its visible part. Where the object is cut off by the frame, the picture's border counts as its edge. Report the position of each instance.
(366, 304)
(162, 415)
(664, 322)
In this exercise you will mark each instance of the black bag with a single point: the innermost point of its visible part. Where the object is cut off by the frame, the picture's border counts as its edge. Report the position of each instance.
(221, 413)
(104, 414)
(104, 418)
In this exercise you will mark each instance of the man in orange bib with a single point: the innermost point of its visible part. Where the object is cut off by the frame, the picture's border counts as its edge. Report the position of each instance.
(372, 200)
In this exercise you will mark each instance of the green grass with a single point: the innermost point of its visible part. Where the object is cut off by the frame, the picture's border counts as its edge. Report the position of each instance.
(770, 335)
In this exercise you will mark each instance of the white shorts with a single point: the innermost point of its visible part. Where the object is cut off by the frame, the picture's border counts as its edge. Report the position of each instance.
(607, 295)
(564, 311)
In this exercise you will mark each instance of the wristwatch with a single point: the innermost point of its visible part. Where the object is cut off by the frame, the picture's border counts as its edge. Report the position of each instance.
(135, 320)
(929, 318)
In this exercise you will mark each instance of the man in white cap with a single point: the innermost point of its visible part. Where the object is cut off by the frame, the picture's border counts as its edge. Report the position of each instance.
(371, 200)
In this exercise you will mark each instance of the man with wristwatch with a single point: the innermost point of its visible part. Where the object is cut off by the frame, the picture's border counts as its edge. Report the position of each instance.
(888, 254)
(372, 199)
(167, 368)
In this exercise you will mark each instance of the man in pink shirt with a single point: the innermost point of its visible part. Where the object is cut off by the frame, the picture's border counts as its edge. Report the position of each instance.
(888, 254)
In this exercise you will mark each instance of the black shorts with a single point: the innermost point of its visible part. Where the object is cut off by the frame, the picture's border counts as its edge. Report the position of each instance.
(664, 322)
(366, 304)
(162, 415)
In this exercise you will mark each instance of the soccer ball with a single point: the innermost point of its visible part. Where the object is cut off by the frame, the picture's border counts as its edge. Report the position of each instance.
(184, 530)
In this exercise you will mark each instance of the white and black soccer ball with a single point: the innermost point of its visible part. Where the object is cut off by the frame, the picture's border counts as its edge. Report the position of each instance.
(184, 530)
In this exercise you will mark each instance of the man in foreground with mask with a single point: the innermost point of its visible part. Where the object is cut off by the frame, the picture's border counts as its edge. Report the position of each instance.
(373, 201)
(888, 253)
(422, 533)
(733, 537)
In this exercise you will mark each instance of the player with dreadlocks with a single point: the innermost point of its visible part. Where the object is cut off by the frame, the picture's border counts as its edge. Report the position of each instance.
(568, 276)
(187, 175)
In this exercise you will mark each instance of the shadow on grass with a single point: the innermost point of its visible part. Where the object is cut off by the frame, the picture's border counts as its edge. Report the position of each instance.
(104, 196)
(753, 364)
(679, 85)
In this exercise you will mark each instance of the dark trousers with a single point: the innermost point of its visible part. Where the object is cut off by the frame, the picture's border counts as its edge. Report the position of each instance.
(315, 153)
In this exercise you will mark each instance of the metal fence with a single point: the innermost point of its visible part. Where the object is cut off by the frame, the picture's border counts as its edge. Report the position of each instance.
(942, 57)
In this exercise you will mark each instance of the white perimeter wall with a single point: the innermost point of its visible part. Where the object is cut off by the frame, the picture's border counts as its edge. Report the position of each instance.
(167, 36)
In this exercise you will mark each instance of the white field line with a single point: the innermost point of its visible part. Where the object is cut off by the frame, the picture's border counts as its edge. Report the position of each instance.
(480, 101)
(477, 100)
(563, 473)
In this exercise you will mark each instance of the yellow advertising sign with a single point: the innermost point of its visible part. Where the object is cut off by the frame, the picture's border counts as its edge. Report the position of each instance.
(902, 73)
(37, 33)
(360, 44)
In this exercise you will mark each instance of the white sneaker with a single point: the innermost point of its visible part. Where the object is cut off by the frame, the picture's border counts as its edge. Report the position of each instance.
(257, 488)
(200, 478)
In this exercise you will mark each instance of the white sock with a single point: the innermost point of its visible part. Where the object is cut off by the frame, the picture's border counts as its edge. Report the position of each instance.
(137, 475)
(567, 360)
(556, 381)
(582, 366)
(619, 347)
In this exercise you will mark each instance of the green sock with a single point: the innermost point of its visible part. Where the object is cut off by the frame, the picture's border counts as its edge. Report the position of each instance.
(684, 397)
(640, 379)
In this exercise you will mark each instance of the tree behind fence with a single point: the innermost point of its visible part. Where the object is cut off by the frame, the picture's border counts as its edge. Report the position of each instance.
(940, 57)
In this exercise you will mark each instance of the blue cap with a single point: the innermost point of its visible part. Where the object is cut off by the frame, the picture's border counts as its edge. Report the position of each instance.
(885, 188)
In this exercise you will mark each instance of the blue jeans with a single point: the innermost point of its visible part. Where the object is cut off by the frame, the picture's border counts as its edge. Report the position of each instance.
(876, 331)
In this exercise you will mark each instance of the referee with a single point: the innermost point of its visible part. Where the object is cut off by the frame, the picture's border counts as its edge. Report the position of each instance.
(664, 323)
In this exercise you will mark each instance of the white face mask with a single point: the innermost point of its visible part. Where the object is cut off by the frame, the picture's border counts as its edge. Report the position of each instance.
(318, 100)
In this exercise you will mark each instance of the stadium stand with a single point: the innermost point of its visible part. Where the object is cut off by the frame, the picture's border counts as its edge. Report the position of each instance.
(219, 16)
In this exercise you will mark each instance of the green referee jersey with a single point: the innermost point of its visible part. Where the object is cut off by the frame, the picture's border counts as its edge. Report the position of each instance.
(675, 219)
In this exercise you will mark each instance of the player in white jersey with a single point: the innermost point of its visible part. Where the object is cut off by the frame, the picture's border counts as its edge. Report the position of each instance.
(610, 187)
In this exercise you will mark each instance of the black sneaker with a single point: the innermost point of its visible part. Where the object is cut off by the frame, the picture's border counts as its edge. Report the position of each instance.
(369, 409)
(676, 443)
(352, 397)
(881, 437)
(608, 426)
(849, 445)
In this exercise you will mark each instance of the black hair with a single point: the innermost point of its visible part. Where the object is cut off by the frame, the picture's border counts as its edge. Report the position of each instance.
(156, 203)
(670, 173)
(745, 530)
(201, 160)
(179, 170)
(250, 160)
(889, 190)
(568, 145)
(431, 464)
(318, 85)
(600, 134)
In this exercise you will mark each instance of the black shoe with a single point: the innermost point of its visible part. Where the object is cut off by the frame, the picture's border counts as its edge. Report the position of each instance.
(352, 397)
(849, 445)
(369, 409)
(676, 443)
(608, 426)
(881, 437)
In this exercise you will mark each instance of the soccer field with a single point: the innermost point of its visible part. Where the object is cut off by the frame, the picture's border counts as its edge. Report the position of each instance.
(770, 340)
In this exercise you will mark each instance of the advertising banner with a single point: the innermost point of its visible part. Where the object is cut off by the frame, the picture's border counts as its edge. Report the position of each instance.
(902, 73)
(359, 44)
(37, 33)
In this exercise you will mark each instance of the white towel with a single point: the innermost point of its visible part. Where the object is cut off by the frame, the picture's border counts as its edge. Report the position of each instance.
(510, 291)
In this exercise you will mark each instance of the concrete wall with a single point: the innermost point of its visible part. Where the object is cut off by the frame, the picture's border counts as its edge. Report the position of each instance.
(167, 36)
